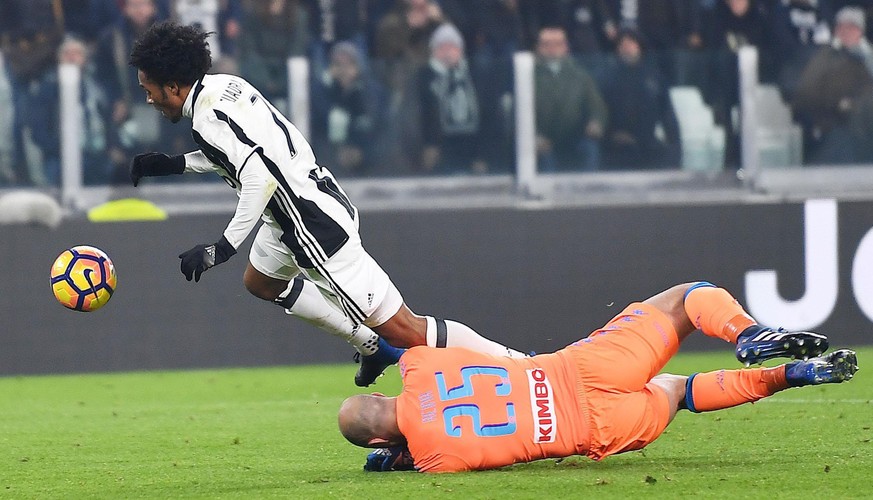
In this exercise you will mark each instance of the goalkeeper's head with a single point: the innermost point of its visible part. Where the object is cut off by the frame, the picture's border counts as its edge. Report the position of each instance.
(170, 58)
(370, 420)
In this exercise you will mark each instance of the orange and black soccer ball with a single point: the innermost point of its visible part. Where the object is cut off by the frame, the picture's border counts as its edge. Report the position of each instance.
(83, 278)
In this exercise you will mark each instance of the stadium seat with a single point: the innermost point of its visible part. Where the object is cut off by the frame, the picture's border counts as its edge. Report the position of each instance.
(780, 140)
(703, 142)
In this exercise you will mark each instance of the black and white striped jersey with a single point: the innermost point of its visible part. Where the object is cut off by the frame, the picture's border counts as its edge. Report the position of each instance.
(257, 151)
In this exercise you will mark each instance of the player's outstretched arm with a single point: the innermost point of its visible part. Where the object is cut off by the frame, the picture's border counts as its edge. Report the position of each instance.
(155, 164)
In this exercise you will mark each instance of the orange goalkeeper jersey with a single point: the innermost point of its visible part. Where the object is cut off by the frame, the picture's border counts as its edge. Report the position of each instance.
(462, 410)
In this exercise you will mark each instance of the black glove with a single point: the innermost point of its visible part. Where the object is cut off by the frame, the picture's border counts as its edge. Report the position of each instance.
(202, 257)
(154, 164)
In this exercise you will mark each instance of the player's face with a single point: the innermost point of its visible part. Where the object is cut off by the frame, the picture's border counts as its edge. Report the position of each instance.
(165, 98)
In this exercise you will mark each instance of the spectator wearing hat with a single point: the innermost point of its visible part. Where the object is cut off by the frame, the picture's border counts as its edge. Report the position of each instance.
(865, 5)
(849, 34)
(332, 22)
(834, 96)
(451, 115)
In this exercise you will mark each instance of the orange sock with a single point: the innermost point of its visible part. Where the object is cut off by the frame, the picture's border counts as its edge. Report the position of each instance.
(726, 388)
(716, 312)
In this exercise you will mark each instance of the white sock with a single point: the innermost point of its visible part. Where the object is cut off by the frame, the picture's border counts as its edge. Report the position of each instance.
(303, 299)
(448, 333)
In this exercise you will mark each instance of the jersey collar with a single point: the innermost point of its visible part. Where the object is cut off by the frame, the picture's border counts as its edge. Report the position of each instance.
(188, 105)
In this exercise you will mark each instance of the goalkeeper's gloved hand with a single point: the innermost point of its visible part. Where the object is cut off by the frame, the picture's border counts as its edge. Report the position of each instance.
(155, 164)
(389, 459)
(202, 257)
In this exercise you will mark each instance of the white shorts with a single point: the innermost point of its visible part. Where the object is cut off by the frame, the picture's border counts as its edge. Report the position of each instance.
(351, 279)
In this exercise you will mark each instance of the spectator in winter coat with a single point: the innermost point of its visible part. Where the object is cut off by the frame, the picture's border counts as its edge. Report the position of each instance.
(571, 115)
(643, 132)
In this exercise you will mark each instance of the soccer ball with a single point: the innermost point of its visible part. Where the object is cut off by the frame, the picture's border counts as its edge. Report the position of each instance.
(83, 278)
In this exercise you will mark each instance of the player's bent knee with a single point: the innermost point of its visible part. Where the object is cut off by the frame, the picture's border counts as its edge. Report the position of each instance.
(261, 285)
(674, 387)
(259, 291)
(672, 303)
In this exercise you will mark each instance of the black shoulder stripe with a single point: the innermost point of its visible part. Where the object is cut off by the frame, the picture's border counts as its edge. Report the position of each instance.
(234, 126)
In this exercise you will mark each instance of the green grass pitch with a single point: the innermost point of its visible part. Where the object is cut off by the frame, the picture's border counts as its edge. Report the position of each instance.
(271, 433)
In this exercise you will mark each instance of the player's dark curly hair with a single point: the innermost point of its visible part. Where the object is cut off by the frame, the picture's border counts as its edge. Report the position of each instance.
(170, 52)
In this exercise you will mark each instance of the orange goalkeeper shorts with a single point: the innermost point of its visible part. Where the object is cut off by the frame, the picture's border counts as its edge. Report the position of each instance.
(615, 366)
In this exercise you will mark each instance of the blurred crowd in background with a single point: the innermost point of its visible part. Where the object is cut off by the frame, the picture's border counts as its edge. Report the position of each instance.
(425, 87)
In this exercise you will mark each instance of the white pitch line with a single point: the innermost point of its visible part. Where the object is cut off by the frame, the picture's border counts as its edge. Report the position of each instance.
(817, 401)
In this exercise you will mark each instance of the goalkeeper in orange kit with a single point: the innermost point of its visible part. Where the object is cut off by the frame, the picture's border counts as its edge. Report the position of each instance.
(461, 410)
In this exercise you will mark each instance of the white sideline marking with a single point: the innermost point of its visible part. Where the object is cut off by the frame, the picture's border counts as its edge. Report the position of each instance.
(817, 401)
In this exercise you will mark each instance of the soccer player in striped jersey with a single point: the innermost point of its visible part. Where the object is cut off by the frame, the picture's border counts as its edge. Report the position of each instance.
(307, 257)
(599, 396)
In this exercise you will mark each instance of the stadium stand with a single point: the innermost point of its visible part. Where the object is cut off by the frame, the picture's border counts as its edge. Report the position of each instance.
(780, 140)
(703, 143)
